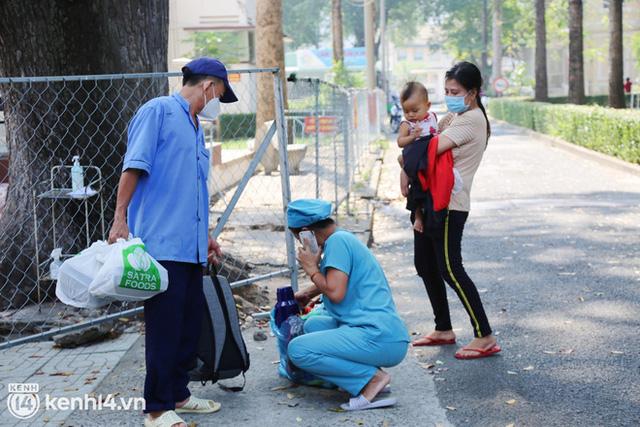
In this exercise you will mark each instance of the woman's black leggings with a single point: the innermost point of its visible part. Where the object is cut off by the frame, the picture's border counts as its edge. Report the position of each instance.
(438, 255)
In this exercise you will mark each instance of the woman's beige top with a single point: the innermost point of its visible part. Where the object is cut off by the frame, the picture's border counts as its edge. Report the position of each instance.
(468, 131)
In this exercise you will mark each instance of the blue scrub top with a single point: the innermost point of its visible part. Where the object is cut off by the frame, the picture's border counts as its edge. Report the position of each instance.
(169, 210)
(368, 302)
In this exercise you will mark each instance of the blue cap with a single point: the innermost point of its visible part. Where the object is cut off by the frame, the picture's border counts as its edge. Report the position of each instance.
(211, 67)
(304, 212)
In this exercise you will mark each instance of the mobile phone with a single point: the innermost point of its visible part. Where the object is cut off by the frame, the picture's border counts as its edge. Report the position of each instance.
(309, 241)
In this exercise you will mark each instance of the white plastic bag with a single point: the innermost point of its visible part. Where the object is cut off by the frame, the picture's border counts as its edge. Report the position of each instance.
(129, 273)
(77, 273)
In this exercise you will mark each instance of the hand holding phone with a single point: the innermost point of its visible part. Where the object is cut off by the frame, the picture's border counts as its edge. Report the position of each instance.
(309, 241)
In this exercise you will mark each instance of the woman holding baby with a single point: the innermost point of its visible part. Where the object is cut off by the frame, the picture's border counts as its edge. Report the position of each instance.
(437, 249)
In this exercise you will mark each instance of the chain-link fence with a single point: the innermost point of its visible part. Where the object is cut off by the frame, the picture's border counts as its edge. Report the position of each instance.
(335, 126)
(49, 120)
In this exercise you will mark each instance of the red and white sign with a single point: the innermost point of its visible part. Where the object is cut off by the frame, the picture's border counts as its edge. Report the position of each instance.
(500, 84)
(328, 124)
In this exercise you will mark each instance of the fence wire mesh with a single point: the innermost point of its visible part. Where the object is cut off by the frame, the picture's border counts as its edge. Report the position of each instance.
(336, 125)
(47, 121)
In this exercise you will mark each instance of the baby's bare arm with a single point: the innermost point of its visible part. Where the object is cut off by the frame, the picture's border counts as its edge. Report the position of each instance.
(406, 136)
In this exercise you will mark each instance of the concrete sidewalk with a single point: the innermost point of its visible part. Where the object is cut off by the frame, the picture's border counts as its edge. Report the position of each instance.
(60, 373)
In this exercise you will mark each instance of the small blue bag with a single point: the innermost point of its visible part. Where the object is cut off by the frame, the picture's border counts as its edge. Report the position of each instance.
(288, 330)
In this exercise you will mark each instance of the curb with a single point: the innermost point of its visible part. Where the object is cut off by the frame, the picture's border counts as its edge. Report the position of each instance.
(375, 181)
(604, 159)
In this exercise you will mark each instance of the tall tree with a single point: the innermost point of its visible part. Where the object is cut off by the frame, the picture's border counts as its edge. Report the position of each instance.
(541, 91)
(576, 54)
(305, 22)
(485, 42)
(49, 122)
(269, 53)
(497, 40)
(336, 31)
(616, 70)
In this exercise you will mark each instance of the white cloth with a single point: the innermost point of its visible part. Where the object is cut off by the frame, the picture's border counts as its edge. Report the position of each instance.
(429, 124)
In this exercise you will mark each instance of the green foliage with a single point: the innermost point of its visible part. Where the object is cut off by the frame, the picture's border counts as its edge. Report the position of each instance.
(226, 46)
(518, 78)
(601, 100)
(345, 78)
(518, 26)
(461, 22)
(306, 22)
(557, 20)
(404, 18)
(635, 48)
(607, 130)
(237, 126)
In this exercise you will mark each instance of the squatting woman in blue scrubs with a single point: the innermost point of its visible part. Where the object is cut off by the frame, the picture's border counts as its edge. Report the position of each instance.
(362, 332)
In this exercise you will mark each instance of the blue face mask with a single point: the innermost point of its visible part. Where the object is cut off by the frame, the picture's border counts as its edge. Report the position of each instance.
(456, 104)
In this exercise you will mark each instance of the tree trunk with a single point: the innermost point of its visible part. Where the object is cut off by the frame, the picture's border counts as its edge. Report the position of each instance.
(336, 31)
(576, 55)
(616, 70)
(485, 42)
(269, 53)
(496, 70)
(49, 122)
(369, 43)
(542, 91)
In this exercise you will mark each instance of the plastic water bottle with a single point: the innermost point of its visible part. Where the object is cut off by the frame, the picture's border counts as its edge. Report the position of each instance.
(286, 305)
(54, 267)
(77, 175)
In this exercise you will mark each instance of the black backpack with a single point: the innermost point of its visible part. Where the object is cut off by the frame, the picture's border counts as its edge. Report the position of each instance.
(221, 352)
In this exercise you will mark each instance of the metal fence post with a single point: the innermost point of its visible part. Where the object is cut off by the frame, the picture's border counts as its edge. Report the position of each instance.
(346, 123)
(316, 118)
(284, 175)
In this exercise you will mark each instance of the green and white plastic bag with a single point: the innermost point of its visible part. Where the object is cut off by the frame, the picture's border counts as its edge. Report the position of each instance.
(129, 273)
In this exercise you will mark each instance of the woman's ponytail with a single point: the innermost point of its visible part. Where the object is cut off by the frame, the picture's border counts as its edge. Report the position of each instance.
(479, 100)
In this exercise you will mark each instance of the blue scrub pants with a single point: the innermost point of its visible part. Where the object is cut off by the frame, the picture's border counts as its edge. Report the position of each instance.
(343, 355)
(172, 329)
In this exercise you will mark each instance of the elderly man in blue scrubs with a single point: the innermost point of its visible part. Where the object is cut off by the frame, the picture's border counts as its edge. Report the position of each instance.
(163, 199)
(362, 332)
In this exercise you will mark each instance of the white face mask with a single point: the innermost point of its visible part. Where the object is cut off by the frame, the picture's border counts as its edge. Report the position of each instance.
(211, 108)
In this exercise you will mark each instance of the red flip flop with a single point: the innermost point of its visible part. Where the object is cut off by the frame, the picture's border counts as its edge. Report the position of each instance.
(480, 353)
(431, 342)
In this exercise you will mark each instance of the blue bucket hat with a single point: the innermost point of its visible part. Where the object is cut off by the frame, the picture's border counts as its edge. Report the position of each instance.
(304, 212)
(211, 67)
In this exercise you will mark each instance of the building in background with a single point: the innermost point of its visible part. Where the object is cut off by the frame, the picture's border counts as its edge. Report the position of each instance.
(187, 17)
(318, 63)
(416, 60)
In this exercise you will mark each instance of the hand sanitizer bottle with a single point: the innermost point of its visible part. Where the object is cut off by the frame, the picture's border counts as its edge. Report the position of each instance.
(54, 267)
(77, 175)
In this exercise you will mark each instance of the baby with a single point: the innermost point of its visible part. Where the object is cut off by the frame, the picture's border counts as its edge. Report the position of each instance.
(418, 123)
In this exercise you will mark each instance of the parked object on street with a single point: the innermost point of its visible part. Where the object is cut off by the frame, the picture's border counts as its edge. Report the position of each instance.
(129, 273)
(222, 352)
(395, 114)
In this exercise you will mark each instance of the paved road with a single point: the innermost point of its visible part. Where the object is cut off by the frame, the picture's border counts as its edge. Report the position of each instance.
(553, 243)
